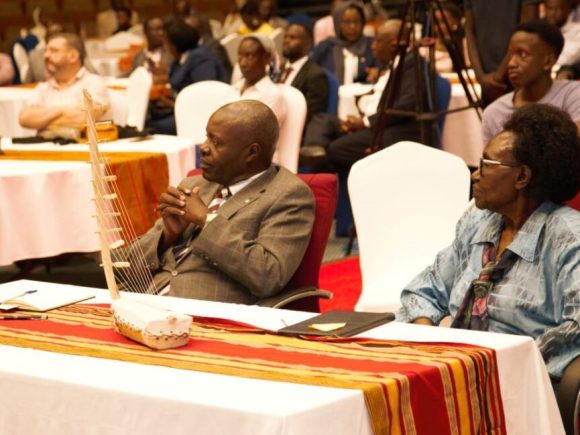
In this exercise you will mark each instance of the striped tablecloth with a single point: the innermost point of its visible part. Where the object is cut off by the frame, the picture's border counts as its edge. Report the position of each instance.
(409, 387)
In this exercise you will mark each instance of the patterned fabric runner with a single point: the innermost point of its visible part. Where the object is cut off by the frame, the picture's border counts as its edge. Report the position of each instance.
(141, 178)
(409, 388)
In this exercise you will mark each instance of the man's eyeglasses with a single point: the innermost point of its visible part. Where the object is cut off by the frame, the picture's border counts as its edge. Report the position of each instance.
(488, 162)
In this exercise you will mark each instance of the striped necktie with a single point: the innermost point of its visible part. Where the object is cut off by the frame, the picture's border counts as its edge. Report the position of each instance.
(285, 74)
(220, 197)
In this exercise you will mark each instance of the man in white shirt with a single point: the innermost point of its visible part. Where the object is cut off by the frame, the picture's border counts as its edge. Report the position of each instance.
(254, 55)
(58, 101)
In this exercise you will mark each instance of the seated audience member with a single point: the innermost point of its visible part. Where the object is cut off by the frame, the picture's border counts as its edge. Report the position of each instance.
(252, 22)
(201, 24)
(180, 10)
(58, 100)
(487, 43)
(6, 69)
(301, 72)
(558, 13)
(514, 266)
(349, 140)
(268, 10)
(37, 67)
(254, 56)
(349, 54)
(108, 21)
(123, 19)
(155, 57)
(233, 20)
(324, 27)
(532, 52)
(191, 64)
(249, 247)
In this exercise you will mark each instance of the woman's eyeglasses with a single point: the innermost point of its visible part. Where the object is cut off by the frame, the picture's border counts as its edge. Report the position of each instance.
(488, 162)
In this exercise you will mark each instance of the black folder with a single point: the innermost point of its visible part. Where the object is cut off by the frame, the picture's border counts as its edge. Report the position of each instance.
(356, 322)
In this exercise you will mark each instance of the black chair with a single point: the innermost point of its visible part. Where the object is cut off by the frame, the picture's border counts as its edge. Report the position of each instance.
(568, 397)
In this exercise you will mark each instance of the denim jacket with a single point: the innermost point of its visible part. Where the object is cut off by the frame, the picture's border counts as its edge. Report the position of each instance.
(539, 296)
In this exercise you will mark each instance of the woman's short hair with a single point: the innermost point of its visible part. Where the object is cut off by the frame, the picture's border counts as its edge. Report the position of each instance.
(546, 140)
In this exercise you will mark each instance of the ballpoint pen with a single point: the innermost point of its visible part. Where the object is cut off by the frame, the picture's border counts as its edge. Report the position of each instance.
(23, 317)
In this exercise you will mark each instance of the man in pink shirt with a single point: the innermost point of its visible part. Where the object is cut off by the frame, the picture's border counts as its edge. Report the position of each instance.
(58, 101)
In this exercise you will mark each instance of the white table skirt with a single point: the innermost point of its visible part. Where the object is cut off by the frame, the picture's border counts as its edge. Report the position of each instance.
(11, 101)
(462, 134)
(46, 209)
(83, 395)
(46, 206)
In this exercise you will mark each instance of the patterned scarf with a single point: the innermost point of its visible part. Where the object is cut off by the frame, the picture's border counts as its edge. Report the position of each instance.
(472, 313)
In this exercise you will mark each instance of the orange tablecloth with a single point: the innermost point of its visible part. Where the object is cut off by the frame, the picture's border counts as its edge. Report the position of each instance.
(141, 178)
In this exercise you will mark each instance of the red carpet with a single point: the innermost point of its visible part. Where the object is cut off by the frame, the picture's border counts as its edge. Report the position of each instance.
(343, 278)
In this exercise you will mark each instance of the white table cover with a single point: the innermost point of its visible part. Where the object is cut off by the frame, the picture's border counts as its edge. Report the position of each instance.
(11, 101)
(51, 393)
(46, 206)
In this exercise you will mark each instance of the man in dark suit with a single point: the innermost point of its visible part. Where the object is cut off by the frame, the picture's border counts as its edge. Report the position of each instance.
(244, 244)
(301, 72)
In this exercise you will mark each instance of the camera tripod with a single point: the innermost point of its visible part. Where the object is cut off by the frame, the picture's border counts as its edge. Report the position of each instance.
(426, 111)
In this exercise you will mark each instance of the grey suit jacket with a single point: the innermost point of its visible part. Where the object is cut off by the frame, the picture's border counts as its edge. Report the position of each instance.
(249, 251)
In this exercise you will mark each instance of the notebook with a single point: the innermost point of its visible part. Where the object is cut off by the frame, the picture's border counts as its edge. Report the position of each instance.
(338, 323)
(45, 299)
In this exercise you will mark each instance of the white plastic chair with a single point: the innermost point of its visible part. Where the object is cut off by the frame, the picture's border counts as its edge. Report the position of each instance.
(196, 103)
(231, 43)
(122, 41)
(406, 200)
(277, 37)
(22, 61)
(291, 130)
(138, 89)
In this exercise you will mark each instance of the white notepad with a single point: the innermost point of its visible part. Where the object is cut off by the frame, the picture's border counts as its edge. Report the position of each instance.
(42, 299)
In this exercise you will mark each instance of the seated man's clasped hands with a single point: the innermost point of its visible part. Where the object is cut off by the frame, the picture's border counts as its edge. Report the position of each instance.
(514, 266)
(238, 232)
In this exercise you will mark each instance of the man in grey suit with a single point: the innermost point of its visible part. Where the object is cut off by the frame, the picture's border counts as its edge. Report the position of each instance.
(238, 232)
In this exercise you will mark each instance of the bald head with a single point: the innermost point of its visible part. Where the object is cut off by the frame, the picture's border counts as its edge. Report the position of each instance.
(241, 139)
(257, 123)
(385, 42)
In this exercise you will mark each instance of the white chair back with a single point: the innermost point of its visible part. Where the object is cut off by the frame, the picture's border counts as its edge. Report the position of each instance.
(291, 130)
(22, 61)
(406, 200)
(196, 103)
(277, 37)
(122, 41)
(138, 89)
(231, 43)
